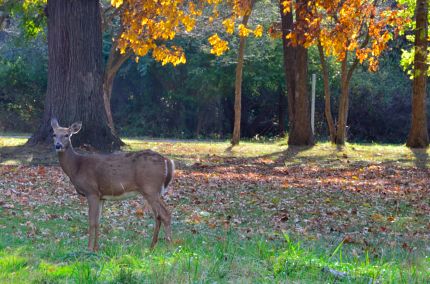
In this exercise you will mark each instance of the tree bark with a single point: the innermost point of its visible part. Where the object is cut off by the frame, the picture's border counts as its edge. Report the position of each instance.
(238, 86)
(289, 61)
(327, 96)
(343, 103)
(75, 75)
(418, 134)
(296, 71)
(282, 112)
(301, 132)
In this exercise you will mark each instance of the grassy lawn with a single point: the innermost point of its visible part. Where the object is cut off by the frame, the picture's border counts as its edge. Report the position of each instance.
(260, 213)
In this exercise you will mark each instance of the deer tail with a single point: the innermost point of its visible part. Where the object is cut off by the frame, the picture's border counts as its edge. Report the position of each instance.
(170, 169)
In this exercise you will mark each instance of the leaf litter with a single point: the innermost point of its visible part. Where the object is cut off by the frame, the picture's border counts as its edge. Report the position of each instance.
(367, 204)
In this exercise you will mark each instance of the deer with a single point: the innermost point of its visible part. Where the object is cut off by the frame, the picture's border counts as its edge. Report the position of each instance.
(115, 176)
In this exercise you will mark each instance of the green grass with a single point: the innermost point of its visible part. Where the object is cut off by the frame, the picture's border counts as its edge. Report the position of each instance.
(226, 226)
(210, 256)
(189, 151)
(220, 256)
(363, 153)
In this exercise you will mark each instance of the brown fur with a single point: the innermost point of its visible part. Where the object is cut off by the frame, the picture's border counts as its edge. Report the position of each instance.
(102, 177)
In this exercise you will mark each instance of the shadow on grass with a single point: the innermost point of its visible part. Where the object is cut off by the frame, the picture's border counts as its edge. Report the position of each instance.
(421, 158)
(27, 155)
(281, 156)
(291, 152)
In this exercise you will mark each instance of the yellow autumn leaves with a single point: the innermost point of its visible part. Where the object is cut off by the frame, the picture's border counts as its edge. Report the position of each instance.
(149, 25)
(220, 46)
(344, 26)
(229, 25)
(116, 3)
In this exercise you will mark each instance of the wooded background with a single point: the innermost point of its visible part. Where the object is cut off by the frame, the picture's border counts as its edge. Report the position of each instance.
(196, 99)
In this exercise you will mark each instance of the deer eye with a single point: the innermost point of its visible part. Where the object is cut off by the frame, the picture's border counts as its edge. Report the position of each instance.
(53, 135)
(67, 135)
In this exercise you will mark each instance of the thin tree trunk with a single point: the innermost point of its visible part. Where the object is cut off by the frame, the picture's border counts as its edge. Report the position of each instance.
(238, 86)
(343, 103)
(75, 74)
(418, 134)
(114, 63)
(327, 96)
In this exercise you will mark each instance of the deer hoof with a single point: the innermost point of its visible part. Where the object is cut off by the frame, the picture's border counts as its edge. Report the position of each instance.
(93, 249)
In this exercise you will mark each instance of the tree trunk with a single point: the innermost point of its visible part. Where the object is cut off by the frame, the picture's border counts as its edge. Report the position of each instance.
(296, 71)
(418, 134)
(301, 132)
(343, 103)
(289, 61)
(282, 112)
(114, 63)
(327, 96)
(238, 86)
(75, 75)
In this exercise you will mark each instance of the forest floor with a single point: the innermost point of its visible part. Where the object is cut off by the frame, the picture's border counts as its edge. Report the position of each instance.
(258, 212)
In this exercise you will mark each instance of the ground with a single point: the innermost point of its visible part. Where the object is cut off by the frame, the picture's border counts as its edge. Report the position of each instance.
(259, 212)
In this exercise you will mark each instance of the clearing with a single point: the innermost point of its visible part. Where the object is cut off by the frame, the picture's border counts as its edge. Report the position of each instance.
(260, 212)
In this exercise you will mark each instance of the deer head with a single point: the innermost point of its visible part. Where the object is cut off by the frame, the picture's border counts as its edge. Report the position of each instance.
(62, 134)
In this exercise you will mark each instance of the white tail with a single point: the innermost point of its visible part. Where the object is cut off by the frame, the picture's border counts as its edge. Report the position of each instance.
(170, 170)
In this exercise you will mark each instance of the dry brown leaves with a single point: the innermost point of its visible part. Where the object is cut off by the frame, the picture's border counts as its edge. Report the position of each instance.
(372, 204)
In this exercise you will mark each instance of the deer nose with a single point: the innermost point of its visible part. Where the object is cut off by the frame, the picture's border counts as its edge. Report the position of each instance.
(58, 146)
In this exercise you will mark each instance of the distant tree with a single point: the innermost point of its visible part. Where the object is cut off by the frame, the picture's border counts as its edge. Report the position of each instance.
(243, 32)
(353, 31)
(147, 27)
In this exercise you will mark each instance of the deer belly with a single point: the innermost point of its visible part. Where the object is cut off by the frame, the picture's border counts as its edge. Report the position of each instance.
(123, 196)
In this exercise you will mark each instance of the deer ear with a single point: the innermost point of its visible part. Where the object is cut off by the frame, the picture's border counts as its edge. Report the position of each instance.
(54, 123)
(75, 127)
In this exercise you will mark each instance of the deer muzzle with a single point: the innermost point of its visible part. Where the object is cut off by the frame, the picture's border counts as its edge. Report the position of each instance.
(59, 147)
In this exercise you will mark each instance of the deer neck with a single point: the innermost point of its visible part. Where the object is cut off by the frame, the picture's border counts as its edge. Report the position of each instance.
(69, 161)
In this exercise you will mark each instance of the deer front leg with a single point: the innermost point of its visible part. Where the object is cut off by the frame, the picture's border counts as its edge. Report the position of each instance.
(93, 218)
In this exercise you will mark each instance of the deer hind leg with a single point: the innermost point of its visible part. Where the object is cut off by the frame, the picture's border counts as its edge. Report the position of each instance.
(156, 230)
(167, 221)
(161, 215)
(93, 216)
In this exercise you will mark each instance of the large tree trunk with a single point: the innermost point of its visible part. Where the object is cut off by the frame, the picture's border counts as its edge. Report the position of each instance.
(75, 74)
(238, 86)
(418, 134)
(327, 96)
(301, 132)
(296, 71)
(343, 104)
